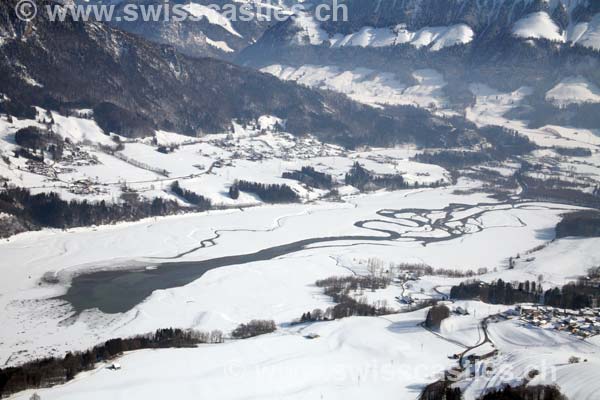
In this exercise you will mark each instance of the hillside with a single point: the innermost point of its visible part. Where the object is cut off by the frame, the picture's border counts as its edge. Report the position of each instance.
(504, 44)
(135, 87)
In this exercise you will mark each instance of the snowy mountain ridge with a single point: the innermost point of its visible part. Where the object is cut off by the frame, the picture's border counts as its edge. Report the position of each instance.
(424, 23)
(434, 37)
(540, 25)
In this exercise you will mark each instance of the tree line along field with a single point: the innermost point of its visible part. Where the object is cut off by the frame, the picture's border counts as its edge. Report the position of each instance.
(50, 371)
(584, 293)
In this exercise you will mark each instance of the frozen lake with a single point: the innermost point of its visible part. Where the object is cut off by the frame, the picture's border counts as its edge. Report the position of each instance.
(121, 290)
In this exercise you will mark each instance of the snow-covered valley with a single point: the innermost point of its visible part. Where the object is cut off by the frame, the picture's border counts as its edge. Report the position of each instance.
(50, 291)
(280, 289)
(403, 205)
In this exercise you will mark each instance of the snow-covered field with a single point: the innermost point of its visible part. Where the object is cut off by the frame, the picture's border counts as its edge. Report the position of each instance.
(368, 86)
(560, 262)
(385, 357)
(492, 105)
(574, 90)
(280, 289)
(381, 358)
(524, 348)
(457, 227)
(208, 166)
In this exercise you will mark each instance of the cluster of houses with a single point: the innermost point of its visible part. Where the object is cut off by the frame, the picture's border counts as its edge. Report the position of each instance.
(85, 187)
(583, 323)
(262, 145)
(72, 157)
(40, 168)
(76, 156)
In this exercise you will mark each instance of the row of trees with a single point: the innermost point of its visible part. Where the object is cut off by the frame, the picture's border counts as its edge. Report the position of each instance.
(555, 191)
(505, 143)
(49, 210)
(580, 223)
(443, 390)
(525, 392)
(342, 284)
(253, 328)
(543, 112)
(201, 202)
(269, 193)
(573, 151)
(452, 159)
(351, 307)
(339, 289)
(137, 163)
(498, 292)
(317, 315)
(362, 179)
(348, 307)
(424, 269)
(52, 371)
(574, 296)
(311, 177)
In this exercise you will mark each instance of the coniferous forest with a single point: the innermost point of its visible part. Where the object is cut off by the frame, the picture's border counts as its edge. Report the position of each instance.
(574, 296)
(498, 292)
(49, 210)
(269, 193)
(310, 177)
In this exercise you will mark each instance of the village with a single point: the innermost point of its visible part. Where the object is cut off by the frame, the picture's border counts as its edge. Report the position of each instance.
(583, 323)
